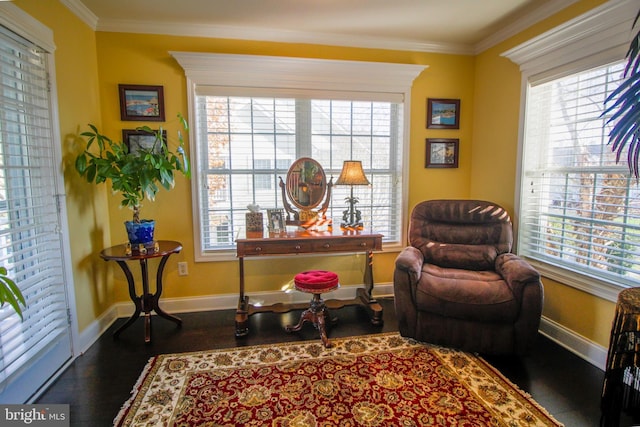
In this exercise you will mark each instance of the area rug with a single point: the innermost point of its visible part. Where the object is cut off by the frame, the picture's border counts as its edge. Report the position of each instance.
(373, 380)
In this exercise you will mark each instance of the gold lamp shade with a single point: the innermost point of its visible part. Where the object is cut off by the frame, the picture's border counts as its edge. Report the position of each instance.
(352, 174)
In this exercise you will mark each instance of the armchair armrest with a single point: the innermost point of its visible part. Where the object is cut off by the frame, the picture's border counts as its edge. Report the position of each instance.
(516, 272)
(410, 260)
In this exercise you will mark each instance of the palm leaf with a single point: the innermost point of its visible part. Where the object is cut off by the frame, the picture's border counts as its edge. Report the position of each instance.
(624, 106)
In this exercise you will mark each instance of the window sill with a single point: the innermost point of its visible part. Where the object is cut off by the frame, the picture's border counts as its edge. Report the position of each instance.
(591, 285)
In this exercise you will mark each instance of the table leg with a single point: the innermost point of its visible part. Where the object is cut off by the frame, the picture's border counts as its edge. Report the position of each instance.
(132, 294)
(242, 313)
(156, 297)
(146, 300)
(366, 295)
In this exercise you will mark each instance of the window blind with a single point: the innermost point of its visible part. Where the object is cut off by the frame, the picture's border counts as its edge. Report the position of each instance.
(30, 238)
(579, 208)
(246, 143)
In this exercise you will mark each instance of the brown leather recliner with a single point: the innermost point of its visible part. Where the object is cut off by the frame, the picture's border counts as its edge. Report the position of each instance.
(459, 285)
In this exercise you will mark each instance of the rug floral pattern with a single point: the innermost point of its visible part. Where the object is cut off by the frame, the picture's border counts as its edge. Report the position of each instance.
(375, 380)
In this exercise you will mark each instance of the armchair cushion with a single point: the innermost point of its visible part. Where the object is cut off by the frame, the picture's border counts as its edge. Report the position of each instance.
(464, 294)
(452, 255)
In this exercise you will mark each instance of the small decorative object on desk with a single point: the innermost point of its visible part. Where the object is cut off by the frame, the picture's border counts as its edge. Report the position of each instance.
(276, 220)
(253, 218)
(141, 248)
(308, 219)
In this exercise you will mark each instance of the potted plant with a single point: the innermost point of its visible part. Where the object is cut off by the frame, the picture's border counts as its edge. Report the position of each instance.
(9, 292)
(136, 174)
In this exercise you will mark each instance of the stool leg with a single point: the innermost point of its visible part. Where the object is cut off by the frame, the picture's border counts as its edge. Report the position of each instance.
(307, 316)
(321, 326)
(317, 314)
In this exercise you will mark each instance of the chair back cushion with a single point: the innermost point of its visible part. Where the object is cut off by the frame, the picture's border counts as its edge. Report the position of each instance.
(467, 234)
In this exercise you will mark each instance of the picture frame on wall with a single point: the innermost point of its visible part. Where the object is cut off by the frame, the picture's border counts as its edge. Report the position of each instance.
(136, 139)
(443, 113)
(141, 103)
(275, 219)
(442, 153)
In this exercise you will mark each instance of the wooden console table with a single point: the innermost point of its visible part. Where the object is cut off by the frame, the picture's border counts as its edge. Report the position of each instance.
(146, 302)
(301, 242)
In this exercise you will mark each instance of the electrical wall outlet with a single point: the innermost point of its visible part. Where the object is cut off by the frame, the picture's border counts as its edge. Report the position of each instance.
(182, 269)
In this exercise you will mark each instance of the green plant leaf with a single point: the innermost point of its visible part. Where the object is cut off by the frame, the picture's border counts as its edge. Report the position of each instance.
(81, 163)
(91, 172)
(136, 175)
(167, 179)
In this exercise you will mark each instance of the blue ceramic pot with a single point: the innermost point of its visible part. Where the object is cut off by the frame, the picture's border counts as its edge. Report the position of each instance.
(140, 233)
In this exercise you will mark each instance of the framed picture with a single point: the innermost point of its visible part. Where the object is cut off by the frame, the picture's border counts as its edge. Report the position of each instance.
(442, 153)
(443, 113)
(141, 103)
(138, 139)
(275, 218)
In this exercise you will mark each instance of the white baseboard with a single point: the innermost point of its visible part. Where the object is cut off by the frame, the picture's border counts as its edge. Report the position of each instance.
(586, 349)
(577, 344)
(91, 333)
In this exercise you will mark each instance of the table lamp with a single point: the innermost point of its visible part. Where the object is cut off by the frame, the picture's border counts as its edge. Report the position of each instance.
(352, 174)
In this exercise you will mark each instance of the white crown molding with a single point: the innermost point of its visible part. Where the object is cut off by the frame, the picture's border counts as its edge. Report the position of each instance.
(297, 73)
(284, 36)
(602, 32)
(277, 35)
(82, 12)
(521, 24)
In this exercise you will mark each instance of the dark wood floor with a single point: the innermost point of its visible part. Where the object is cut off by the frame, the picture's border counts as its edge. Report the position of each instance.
(100, 381)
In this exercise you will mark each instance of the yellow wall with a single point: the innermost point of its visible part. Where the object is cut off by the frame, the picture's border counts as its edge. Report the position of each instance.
(494, 167)
(145, 59)
(79, 103)
(90, 66)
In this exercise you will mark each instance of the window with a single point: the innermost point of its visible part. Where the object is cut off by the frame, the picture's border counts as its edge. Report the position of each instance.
(243, 134)
(246, 137)
(579, 209)
(578, 212)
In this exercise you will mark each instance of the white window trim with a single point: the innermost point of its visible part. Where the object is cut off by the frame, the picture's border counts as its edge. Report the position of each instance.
(20, 22)
(595, 38)
(208, 69)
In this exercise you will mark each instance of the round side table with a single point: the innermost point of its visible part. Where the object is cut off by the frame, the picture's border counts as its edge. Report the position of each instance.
(146, 302)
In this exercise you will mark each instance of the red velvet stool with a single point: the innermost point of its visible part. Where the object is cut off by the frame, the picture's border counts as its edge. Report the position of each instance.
(316, 282)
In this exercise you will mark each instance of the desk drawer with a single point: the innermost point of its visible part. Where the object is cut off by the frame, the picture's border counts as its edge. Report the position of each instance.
(344, 245)
(273, 248)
